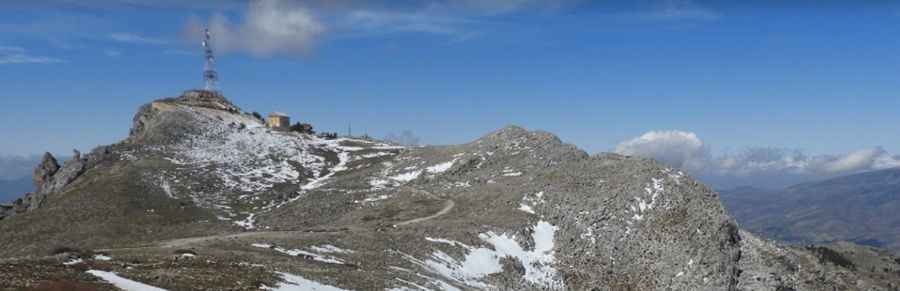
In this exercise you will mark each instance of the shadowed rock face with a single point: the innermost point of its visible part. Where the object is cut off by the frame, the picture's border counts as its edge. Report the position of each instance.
(512, 210)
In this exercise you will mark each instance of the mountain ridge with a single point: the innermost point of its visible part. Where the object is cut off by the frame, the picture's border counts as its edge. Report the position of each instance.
(202, 196)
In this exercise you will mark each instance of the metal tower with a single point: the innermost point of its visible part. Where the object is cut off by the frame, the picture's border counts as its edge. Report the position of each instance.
(209, 68)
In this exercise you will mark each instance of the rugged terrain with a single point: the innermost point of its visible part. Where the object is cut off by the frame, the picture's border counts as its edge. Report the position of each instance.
(202, 196)
(861, 208)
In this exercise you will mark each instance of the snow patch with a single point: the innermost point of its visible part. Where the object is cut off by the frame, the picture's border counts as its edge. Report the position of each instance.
(529, 202)
(296, 283)
(122, 283)
(509, 172)
(302, 253)
(406, 177)
(330, 249)
(248, 222)
(440, 168)
(478, 263)
(526, 208)
(654, 190)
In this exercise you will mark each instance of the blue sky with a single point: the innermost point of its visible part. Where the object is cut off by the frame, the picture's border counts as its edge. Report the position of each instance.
(822, 78)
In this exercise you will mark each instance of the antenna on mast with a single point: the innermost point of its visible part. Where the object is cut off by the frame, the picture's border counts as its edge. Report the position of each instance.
(209, 68)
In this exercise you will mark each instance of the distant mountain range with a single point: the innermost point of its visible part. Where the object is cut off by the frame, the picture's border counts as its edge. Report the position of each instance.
(861, 208)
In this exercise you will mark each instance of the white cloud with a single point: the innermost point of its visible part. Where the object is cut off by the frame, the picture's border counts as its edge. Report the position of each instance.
(874, 158)
(269, 27)
(677, 148)
(388, 22)
(285, 27)
(18, 55)
(136, 39)
(758, 166)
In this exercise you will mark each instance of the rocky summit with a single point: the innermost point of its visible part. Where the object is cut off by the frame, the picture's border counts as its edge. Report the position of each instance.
(202, 196)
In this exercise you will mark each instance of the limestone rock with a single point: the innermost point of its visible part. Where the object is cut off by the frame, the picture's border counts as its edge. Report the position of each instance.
(44, 171)
(170, 120)
(50, 178)
(207, 99)
(70, 170)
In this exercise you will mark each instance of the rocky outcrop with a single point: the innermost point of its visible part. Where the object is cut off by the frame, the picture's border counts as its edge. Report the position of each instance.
(49, 178)
(205, 99)
(70, 170)
(171, 120)
(45, 171)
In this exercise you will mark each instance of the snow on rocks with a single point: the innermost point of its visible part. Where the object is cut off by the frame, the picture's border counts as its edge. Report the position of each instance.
(526, 208)
(479, 262)
(529, 202)
(588, 234)
(674, 175)
(653, 190)
(123, 283)
(248, 222)
(373, 155)
(245, 161)
(509, 172)
(378, 184)
(307, 254)
(74, 261)
(393, 181)
(330, 249)
(440, 168)
(102, 257)
(406, 177)
(296, 283)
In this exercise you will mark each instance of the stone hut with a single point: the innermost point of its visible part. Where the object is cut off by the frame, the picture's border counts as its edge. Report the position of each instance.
(278, 121)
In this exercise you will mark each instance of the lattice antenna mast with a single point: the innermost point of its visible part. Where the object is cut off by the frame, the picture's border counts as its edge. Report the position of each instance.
(209, 68)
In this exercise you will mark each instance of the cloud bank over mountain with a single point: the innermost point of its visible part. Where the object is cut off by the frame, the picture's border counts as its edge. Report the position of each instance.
(756, 166)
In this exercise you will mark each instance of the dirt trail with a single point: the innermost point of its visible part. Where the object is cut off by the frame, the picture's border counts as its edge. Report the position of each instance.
(448, 205)
(192, 241)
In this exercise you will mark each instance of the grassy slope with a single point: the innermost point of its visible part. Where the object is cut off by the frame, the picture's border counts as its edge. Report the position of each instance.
(103, 210)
